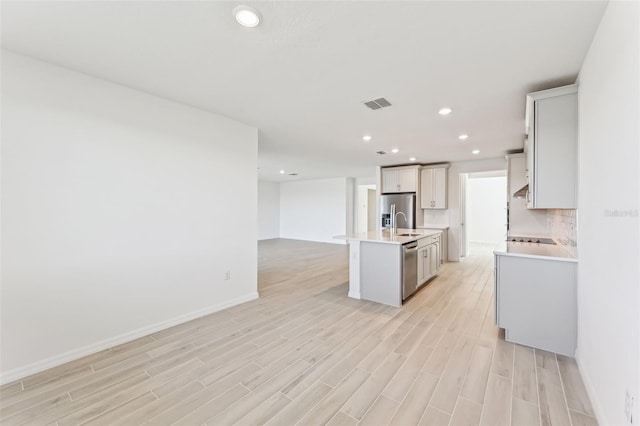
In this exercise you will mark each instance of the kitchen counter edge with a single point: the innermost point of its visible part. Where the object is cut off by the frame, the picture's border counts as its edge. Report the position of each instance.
(537, 251)
(385, 237)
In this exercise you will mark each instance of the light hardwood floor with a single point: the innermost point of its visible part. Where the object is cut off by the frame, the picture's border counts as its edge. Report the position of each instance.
(306, 354)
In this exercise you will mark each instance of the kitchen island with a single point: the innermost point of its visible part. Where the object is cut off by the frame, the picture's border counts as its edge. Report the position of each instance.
(377, 268)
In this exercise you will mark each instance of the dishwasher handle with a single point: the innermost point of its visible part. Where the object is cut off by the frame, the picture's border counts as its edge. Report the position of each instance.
(411, 246)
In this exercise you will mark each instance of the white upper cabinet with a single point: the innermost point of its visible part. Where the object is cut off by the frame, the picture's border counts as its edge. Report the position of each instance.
(552, 125)
(399, 179)
(433, 188)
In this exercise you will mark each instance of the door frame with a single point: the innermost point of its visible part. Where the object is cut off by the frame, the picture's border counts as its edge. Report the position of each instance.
(462, 220)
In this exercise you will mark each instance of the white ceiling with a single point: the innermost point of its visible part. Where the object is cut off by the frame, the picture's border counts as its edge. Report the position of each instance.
(302, 75)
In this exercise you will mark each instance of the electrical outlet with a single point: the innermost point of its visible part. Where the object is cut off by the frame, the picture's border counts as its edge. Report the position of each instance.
(227, 275)
(628, 406)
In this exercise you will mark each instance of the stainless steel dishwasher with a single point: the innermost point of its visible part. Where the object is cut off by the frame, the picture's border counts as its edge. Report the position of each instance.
(409, 269)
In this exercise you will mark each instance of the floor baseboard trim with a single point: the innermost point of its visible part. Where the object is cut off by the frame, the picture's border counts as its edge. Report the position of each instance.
(55, 361)
(591, 391)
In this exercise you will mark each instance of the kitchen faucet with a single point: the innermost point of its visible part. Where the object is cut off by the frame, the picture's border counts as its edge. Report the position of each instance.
(395, 222)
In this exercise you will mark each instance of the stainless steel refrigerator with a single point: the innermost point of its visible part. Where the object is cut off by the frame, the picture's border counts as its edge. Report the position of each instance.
(405, 203)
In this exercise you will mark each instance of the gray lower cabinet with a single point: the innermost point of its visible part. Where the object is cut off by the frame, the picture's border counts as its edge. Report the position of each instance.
(536, 303)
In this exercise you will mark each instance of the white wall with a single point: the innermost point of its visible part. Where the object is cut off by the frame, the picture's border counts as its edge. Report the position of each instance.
(121, 213)
(315, 210)
(362, 209)
(456, 168)
(268, 210)
(486, 211)
(608, 275)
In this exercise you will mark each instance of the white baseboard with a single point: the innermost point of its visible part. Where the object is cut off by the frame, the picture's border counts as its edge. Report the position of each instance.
(45, 364)
(591, 391)
(331, 241)
(354, 294)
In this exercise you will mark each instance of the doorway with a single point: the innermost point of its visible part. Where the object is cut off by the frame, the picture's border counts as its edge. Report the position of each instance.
(366, 208)
(483, 209)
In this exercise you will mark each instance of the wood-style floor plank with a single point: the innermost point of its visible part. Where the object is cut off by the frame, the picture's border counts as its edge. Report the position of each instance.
(524, 413)
(577, 398)
(553, 409)
(497, 404)
(304, 353)
(524, 375)
(381, 412)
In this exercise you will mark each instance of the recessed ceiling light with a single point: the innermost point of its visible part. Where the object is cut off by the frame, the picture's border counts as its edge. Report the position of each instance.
(475, 152)
(247, 16)
(281, 172)
(367, 138)
(395, 150)
(445, 111)
(463, 136)
(412, 159)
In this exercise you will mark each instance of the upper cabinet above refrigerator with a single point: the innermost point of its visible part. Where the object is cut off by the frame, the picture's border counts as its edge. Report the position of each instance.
(399, 179)
(552, 129)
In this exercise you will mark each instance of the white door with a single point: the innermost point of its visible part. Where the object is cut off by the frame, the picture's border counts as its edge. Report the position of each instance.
(371, 210)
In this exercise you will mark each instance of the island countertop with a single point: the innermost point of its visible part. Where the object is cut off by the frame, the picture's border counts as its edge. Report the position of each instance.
(387, 237)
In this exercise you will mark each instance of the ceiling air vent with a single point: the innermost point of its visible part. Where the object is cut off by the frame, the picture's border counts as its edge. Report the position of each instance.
(378, 103)
(293, 174)
(381, 152)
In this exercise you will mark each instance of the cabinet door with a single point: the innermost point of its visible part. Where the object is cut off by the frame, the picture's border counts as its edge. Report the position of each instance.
(439, 188)
(433, 192)
(426, 190)
(407, 180)
(552, 148)
(496, 290)
(555, 149)
(390, 181)
(421, 255)
(536, 302)
(427, 263)
(433, 259)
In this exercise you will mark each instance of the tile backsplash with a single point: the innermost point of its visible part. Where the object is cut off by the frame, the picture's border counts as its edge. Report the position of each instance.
(436, 217)
(562, 224)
